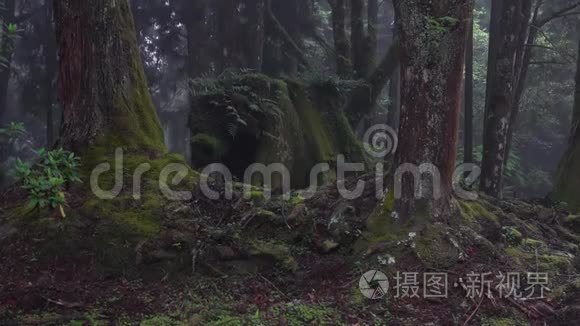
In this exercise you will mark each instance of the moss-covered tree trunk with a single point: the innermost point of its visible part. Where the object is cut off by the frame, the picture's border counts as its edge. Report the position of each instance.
(102, 86)
(341, 42)
(432, 37)
(568, 178)
(506, 43)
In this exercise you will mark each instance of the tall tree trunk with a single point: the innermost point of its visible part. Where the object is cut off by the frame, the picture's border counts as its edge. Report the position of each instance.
(468, 100)
(531, 30)
(102, 86)
(253, 29)
(50, 62)
(364, 99)
(357, 35)
(432, 63)
(568, 176)
(372, 35)
(341, 42)
(394, 114)
(503, 64)
(285, 21)
(6, 47)
(197, 37)
(227, 35)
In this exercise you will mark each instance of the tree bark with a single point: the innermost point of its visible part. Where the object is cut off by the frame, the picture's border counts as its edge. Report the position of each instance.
(372, 35)
(504, 54)
(357, 35)
(468, 100)
(531, 29)
(341, 42)
(364, 99)
(102, 86)
(568, 176)
(253, 29)
(432, 61)
(197, 40)
(6, 47)
(394, 114)
(285, 24)
(50, 62)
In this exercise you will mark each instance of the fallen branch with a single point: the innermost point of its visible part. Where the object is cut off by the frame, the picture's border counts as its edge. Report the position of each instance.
(474, 311)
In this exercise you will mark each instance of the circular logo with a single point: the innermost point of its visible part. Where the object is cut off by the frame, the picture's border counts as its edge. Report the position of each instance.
(380, 141)
(374, 284)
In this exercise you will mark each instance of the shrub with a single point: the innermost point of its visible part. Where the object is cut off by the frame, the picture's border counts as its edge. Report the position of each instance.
(45, 181)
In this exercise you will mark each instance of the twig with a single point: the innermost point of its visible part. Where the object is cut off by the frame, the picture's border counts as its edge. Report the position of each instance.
(273, 285)
(474, 311)
(64, 303)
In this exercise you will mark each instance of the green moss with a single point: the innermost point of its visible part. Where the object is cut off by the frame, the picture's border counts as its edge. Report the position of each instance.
(381, 225)
(207, 148)
(472, 210)
(501, 321)
(544, 263)
(292, 314)
(533, 244)
(294, 124)
(276, 252)
(135, 123)
(322, 145)
(553, 263)
(512, 235)
(518, 254)
(433, 248)
(160, 321)
(302, 314)
(297, 200)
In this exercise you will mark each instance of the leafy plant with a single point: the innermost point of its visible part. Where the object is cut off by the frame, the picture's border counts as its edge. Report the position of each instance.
(45, 181)
(13, 130)
(10, 31)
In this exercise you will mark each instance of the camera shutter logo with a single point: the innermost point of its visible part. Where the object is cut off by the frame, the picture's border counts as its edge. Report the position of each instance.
(374, 285)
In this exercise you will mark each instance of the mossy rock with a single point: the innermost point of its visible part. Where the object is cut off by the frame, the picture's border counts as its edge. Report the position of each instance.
(109, 229)
(251, 118)
(435, 249)
(273, 252)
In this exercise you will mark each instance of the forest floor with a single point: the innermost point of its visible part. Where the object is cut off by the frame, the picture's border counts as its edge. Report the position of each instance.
(300, 262)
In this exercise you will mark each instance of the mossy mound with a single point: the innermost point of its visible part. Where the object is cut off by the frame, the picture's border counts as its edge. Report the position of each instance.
(243, 119)
(109, 230)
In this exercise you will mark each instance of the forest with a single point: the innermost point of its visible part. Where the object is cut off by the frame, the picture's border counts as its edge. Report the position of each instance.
(290, 162)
